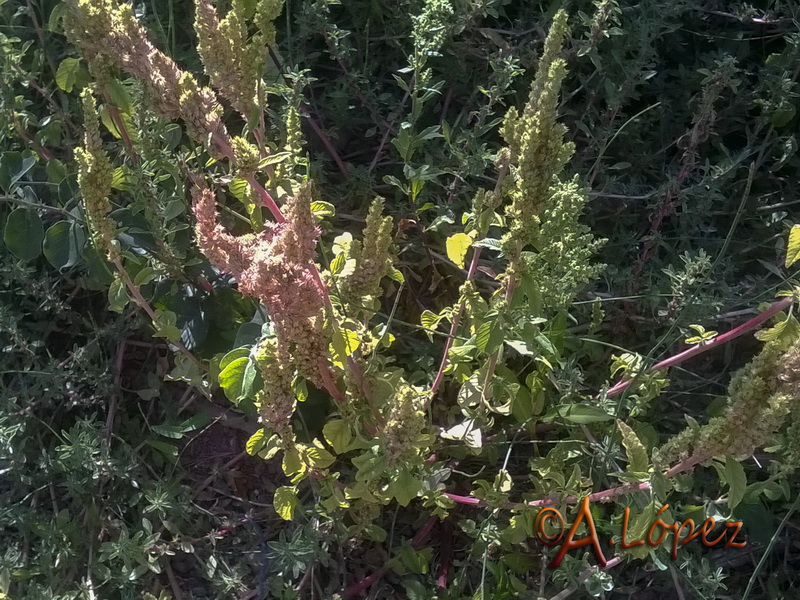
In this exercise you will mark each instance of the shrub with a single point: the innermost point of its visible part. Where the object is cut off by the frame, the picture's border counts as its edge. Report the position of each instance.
(203, 209)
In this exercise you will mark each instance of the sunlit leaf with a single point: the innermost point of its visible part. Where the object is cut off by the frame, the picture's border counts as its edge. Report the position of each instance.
(793, 247)
(638, 459)
(457, 246)
(344, 343)
(285, 502)
(737, 481)
(338, 434)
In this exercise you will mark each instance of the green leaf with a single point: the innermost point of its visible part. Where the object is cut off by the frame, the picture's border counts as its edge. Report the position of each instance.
(374, 533)
(338, 434)
(319, 458)
(179, 430)
(430, 321)
(793, 248)
(439, 222)
(240, 190)
(24, 233)
(396, 275)
(520, 527)
(640, 523)
(122, 179)
(233, 355)
(545, 343)
(699, 329)
(168, 450)
(737, 480)
(702, 335)
(264, 447)
(145, 276)
(343, 267)
(638, 460)
(273, 159)
(171, 134)
(490, 333)
(111, 125)
(446, 131)
(323, 209)
(56, 16)
(255, 443)
(787, 329)
(457, 246)
(292, 462)
(466, 432)
(170, 431)
(248, 382)
(13, 167)
(63, 244)
(300, 389)
(528, 401)
(174, 209)
(519, 346)
(782, 115)
(462, 353)
(583, 413)
(405, 142)
(489, 243)
(430, 133)
(232, 378)
(119, 95)
(118, 297)
(285, 502)
(416, 188)
(392, 180)
(405, 488)
(342, 243)
(471, 392)
(199, 420)
(56, 172)
(789, 149)
(344, 343)
(503, 481)
(67, 74)
(165, 324)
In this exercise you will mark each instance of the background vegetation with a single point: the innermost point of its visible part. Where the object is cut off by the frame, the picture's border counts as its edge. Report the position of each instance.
(124, 470)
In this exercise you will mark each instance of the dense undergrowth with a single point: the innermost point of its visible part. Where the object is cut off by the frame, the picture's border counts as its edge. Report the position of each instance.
(323, 299)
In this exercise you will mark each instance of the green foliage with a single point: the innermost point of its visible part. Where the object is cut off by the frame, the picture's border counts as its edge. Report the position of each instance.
(524, 175)
(97, 495)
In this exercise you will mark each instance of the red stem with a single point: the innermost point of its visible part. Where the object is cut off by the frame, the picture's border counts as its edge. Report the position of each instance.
(324, 138)
(717, 341)
(266, 198)
(492, 364)
(40, 150)
(362, 586)
(224, 147)
(113, 111)
(473, 267)
(326, 141)
(351, 363)
(614, 492)
(445, 554)
(327, 381)
(684, 465)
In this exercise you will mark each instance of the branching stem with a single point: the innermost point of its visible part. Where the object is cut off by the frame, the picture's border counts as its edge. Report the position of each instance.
(456, 320)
